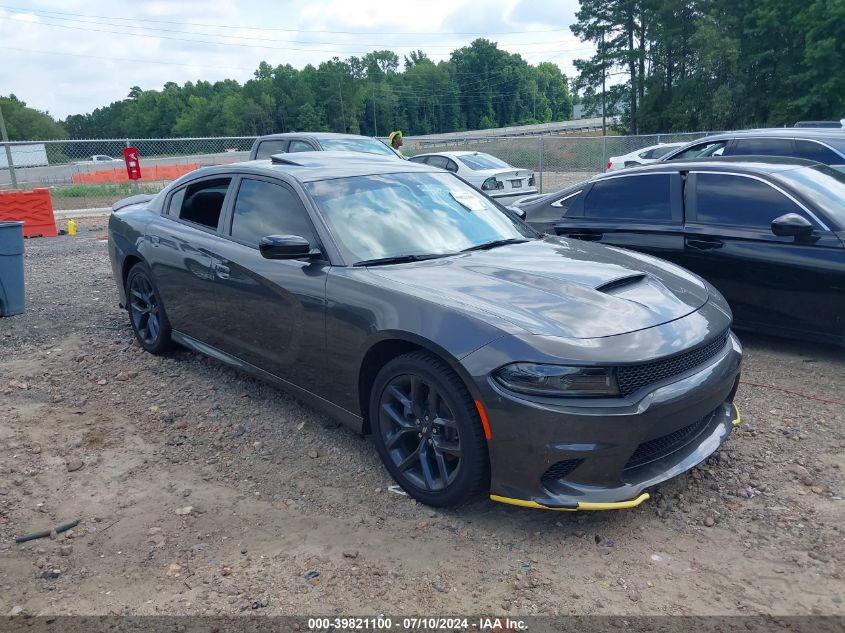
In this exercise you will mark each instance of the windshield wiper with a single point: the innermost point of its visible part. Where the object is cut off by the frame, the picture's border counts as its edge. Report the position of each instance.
(400, 259)
(494, 244)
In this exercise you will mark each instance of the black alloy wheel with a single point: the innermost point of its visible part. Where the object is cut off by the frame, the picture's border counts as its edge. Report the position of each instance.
(146, 312)
(427, 430)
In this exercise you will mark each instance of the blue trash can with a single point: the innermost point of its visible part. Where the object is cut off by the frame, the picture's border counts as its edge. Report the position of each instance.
(11, 268)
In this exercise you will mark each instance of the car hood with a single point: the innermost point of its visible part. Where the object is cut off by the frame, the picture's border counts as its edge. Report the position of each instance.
(554, 287)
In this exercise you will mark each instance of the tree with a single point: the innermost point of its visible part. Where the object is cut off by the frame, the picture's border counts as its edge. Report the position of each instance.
(27, 124)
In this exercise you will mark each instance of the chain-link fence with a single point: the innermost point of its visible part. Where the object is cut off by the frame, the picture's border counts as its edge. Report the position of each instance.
(86, 174)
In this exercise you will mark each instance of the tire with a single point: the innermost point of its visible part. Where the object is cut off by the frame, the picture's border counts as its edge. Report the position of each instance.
(427, 431)
(146, 311)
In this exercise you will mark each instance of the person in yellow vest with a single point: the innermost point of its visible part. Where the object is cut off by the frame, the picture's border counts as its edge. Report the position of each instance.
(395, 139)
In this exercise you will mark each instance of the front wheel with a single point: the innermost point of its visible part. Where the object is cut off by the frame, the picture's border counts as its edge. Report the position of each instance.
(427, 430)
(146, 311)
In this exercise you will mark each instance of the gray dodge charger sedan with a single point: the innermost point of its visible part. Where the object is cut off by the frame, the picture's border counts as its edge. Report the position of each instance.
(480, 356)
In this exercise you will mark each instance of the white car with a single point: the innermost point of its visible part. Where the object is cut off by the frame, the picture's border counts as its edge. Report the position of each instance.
(643, 156)
(99, 158)
(494, 177)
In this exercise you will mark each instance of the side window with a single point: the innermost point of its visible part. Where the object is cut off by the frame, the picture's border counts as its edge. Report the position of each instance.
(438, 161)
(762, 147)
(649, 153)
(300, 146)
(203, 202)
(817, 152)
(710, 148)
(267, 148)
(646, 198)
(736, 200)
(263, 208)
(451, 166)
(175, 205)
(564, 203)
(419, 159)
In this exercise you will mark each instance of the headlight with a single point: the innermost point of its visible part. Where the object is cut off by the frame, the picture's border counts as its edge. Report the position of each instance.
(492, 183)
(557, 380)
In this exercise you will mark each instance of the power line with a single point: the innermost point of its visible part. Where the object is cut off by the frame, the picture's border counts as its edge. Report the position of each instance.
(260, 28)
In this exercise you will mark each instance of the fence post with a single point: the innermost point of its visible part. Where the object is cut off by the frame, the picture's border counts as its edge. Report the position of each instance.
(8, 147)
(542, 156)
(604, 152)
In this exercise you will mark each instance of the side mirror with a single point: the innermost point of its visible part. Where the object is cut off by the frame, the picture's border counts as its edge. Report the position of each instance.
(519, 212)
(285, 247)
(792, 225)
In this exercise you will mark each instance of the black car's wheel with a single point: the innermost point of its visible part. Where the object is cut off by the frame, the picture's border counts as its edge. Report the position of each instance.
(427, 430)
(146, 311)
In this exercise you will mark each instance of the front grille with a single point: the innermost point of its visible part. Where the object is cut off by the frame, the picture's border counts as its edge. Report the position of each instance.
(633, 377)
(666, 445)
(560, 470)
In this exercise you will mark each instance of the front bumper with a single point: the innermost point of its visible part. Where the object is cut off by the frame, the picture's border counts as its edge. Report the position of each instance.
(606, 454)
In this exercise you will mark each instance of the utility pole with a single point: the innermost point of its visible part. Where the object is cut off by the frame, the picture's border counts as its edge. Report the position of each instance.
(603, 80)
(535, 102)
(375, 127)
(342, 111)
(5, 138)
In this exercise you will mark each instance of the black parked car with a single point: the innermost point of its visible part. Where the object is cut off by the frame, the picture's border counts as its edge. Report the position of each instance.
(768, 234)
(819, 145)
(292, 142)
(394, 296)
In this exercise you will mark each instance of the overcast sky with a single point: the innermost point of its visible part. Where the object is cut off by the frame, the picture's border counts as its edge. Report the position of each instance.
(70, 56)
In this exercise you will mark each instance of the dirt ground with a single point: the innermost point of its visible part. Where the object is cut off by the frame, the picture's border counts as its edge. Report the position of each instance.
(201, 491)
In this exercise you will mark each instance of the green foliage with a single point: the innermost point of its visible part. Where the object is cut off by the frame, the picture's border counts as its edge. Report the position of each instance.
(480, 85)
(714, 64)
(27, 124)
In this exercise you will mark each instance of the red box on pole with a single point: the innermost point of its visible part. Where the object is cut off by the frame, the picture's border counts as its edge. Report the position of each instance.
(133, 164)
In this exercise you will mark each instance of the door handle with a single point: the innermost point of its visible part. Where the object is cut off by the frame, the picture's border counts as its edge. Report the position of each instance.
(704, 244)
(221, 271)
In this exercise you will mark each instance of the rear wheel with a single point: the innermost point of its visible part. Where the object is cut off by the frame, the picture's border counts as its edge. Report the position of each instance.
(427, 430)
(146, 311)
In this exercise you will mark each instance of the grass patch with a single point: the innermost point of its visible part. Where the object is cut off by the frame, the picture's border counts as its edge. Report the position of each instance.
(105, 190)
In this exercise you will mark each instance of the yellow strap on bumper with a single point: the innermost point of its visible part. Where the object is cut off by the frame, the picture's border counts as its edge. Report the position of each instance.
(582, 505)
(737, 417)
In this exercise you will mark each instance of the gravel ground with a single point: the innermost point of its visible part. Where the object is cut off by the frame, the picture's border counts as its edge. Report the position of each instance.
(201, 491)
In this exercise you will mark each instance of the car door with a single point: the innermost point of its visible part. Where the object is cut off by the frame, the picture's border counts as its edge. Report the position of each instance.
(642, 212)
(271, 313)
(178, 246)
(778, 283)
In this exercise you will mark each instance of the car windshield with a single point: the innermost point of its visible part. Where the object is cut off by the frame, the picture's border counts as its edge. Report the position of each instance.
(410, 214)
(823, 186)
(367, 145)
(479, 162)
(660, 152)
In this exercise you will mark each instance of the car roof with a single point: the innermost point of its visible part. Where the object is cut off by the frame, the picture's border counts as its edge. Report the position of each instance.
(314, 135)
(779, 132)
(313, 166)
(455, 153)
(756, 164)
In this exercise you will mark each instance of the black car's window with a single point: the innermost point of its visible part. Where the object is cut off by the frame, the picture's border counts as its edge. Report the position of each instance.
(740, 201)
(203, 202)
(300, 146)
(709, 148)
(647, 198)
(823, 186)
(817, 152)
(267, 148)
(263, 208)
(437, 161)
(564, 203)
(762, 147)
(425, 214)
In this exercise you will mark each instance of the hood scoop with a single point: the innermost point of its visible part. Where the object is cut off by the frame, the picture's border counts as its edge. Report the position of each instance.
(615, 284)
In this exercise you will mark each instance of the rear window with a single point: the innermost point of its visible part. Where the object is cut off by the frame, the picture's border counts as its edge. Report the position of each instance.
(203, 202)
(646, 198)
(267, 148)
(479, 162)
